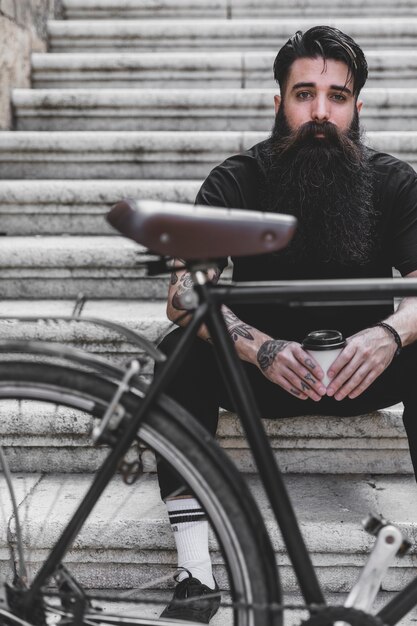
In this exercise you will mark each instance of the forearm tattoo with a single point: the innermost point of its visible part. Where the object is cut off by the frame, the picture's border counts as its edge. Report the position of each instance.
(216, 275)
(186, 284)
(268, 351)
(236, 327)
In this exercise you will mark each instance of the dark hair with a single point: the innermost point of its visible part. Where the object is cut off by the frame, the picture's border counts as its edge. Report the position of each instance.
(326, 42)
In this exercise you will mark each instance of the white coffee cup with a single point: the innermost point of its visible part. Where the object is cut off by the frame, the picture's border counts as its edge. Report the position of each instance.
(324, 346)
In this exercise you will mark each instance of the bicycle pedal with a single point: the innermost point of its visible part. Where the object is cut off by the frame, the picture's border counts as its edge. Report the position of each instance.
(373, 524)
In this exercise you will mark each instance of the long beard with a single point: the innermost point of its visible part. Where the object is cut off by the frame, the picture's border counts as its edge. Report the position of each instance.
(327, 183)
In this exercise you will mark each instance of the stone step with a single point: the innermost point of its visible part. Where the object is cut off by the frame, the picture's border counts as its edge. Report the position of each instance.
(186, 110)
(77, 207)
(230, 9)
(147, 318)
(233, 70)
(146, 154)
(62, 267)
(127, 542)
(218, 34)
(39, 438)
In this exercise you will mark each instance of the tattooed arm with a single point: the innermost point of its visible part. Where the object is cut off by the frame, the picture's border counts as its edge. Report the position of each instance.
(180, 283)
(284, 363)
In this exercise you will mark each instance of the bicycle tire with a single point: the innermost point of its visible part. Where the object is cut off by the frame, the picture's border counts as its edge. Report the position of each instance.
(176, 437)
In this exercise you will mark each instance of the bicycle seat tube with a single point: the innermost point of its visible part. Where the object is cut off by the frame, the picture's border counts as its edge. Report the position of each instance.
(250, 417)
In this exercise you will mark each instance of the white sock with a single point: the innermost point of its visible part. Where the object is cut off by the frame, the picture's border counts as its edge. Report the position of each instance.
(190, 527)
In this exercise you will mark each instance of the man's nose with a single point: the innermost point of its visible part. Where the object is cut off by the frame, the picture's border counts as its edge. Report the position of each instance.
(320, 110)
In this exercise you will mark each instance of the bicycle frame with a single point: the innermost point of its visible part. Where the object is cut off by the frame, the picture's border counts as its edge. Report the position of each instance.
(208, 311)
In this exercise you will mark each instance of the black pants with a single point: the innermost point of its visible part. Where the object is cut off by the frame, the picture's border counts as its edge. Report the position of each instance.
(199, 387)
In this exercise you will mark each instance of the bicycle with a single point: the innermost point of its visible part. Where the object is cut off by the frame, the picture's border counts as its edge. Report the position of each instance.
(123, 410)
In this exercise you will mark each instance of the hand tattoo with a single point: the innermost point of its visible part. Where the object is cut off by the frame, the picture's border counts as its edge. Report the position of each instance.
(295, 391)
(236, 327)
(309, 363)
(268, 351)
(174, 278)
(310, 378)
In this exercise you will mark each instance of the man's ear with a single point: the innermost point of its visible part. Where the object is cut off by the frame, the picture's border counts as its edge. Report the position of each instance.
(359, 105)
(277, 103)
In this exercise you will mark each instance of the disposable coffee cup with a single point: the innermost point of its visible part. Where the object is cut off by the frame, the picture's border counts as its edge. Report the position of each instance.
(324, 346)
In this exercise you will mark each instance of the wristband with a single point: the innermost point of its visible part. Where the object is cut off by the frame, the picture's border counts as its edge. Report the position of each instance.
(394, 334)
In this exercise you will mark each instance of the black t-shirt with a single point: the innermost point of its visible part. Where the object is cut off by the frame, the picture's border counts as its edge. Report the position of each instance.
(236, 184)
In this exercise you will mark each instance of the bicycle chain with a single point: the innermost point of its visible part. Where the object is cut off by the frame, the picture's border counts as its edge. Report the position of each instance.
(354, 617)
(330, 614)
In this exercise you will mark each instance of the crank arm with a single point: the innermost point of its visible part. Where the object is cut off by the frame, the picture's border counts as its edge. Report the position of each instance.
(389, 543)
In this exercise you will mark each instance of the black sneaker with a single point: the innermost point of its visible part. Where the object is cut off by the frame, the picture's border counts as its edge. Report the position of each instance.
(201, 609)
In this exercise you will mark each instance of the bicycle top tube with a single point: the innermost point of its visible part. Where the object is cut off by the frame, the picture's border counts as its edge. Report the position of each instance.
(201, 233)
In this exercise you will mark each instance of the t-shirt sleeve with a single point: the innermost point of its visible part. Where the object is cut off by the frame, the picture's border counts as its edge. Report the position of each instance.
(405, 223)
(220, 189)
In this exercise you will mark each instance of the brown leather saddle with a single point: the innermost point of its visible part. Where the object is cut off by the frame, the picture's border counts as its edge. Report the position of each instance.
(200, 232)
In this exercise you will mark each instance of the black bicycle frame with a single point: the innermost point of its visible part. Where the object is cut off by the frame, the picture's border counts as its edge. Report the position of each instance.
(208, 311)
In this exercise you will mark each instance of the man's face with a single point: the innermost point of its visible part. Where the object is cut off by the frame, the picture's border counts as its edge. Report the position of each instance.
(318, 92)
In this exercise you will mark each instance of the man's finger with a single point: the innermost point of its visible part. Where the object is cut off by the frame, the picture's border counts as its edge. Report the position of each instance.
(363, 386)
(290, 384)
(300, 382)
(344, 375)
(344, 357)
(299, 394)
(309, 363)
(354, 381)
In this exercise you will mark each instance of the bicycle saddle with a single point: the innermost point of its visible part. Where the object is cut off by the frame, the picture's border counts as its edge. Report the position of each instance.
(200, 232)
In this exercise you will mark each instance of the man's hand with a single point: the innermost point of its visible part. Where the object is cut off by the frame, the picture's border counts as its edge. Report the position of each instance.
(286, 364)
(366, 355)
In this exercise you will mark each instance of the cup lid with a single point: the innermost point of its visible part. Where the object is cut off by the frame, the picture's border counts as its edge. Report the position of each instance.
(324, 340)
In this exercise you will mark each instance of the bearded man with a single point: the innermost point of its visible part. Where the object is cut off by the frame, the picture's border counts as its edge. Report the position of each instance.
(357, 214)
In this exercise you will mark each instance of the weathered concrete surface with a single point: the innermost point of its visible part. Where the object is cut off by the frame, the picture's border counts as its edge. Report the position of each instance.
(229, 9)
(15, 49)
(127, 539)
(22, 31)
(249, 34)
(77, 207)
(146, 154)
(392, 68)
(181, 110)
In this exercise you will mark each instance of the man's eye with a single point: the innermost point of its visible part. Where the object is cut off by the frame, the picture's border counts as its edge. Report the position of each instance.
(339, 97)
(303, 95)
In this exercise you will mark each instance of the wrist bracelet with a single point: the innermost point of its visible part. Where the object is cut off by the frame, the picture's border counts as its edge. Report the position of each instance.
(394, 334)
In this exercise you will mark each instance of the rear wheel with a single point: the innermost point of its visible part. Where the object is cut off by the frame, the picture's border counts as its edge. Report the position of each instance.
(126, 544)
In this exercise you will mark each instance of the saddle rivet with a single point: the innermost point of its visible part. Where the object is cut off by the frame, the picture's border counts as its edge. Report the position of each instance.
(268, 237)
(164, 238)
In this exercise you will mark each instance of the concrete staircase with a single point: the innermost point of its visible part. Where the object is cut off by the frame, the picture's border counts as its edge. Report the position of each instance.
(142, 101)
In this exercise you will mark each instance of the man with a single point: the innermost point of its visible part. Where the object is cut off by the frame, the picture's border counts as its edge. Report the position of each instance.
(357, 212)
